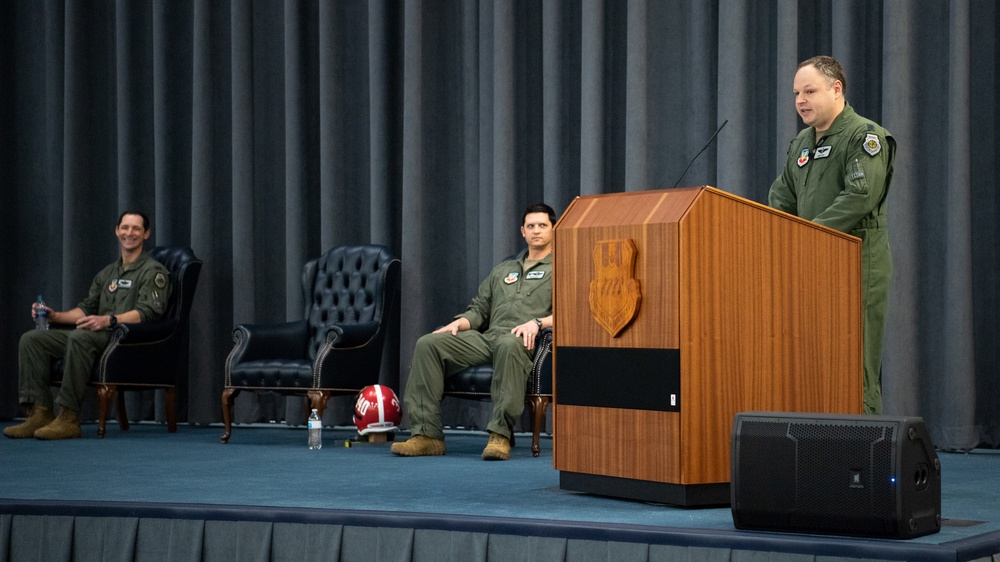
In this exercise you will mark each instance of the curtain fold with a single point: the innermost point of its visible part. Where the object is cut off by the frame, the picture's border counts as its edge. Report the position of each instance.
(592, 97)
(244, 262)
(505, 113)
(262, 133)
(212, 203)
(984, 177)
(902, 346)
(637, 117)
(736, 147)
(959, 353)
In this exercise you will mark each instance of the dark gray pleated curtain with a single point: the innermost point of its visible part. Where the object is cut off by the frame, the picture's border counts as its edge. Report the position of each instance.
(262, 133)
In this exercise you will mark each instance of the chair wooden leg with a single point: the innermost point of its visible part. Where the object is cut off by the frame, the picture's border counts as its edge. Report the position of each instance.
(105, 393)
(122, 413)
(168, 403)
(318, 400)
(228, 397)
(537, 405)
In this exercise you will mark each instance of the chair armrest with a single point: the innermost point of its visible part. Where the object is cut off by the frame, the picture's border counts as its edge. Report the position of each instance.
(144, 332)
(350, 355)
(543, 341)
(266, 341)
(543, 347)
(540, 377)
(352, 335)
(144, 353)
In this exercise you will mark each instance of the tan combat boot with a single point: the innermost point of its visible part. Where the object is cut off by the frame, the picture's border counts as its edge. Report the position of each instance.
(497, 449)
(66, 426)
(40, 417)
(418, 446)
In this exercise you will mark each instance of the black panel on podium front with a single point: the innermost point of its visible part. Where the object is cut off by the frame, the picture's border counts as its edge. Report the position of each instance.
(628, 378)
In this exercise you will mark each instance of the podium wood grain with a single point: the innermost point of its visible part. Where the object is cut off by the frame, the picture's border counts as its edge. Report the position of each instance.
(764, 307)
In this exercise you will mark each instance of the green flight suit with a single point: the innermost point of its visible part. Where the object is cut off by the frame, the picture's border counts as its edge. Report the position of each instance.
(511, 295)
(143, 286)
(842, 181)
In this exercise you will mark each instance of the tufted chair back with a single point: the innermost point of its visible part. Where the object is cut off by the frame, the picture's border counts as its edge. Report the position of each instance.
(346, 285)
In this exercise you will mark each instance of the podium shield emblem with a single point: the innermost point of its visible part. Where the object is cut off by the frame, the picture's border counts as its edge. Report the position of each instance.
(614, 291)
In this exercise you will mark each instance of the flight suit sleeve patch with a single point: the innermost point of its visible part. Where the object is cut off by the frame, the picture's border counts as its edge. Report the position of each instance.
(160, 280)
(872, 144)
(158, 305)
(856, 180)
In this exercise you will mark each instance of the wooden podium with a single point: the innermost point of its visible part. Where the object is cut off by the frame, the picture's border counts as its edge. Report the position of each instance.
(674, 310)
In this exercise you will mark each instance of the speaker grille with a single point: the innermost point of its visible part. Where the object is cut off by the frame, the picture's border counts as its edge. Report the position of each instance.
(762, 486)
(861, 492)
(835, 473)
(846, 475)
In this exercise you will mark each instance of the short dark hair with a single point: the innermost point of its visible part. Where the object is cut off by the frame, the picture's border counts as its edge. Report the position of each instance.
(829, 67)
(539, 208)
(145, 219)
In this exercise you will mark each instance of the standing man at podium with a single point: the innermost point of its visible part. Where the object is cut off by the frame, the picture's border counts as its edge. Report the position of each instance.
(837, 174)
(513, 304)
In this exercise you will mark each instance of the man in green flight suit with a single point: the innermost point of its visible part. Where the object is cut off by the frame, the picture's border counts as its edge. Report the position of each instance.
(135, 288)
(837, 174)
(513, 304)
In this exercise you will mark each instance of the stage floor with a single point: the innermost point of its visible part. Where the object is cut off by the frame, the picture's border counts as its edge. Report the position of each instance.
(268, 470)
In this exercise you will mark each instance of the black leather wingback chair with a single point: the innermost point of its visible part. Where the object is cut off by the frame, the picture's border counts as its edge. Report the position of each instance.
(148, 355)
(474, 383)
(336, 348)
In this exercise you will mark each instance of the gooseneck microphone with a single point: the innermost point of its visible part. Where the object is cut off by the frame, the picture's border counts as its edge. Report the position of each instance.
(707, 144)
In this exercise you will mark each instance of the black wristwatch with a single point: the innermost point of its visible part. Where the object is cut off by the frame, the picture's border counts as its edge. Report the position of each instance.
(113, 321)
(539, 322)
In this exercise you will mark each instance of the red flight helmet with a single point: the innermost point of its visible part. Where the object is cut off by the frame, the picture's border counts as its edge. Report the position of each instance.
(377, 410)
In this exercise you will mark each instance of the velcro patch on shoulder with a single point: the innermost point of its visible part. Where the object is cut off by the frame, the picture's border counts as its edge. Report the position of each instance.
(872, 144)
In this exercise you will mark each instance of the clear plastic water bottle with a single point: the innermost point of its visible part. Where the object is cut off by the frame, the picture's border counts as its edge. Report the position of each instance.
(41, 315)
(315, 431)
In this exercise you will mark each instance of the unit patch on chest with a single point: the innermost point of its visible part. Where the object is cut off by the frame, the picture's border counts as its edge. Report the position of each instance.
(119, 284)
(803, 157)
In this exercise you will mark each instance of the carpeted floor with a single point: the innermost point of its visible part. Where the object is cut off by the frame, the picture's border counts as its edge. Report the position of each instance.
(272, 466)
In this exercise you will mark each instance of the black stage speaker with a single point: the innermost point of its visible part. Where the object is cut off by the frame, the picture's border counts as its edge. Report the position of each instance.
(874, 476)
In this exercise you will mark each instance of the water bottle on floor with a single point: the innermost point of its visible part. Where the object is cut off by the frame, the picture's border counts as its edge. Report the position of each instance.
(315, 431)
(41, 315)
